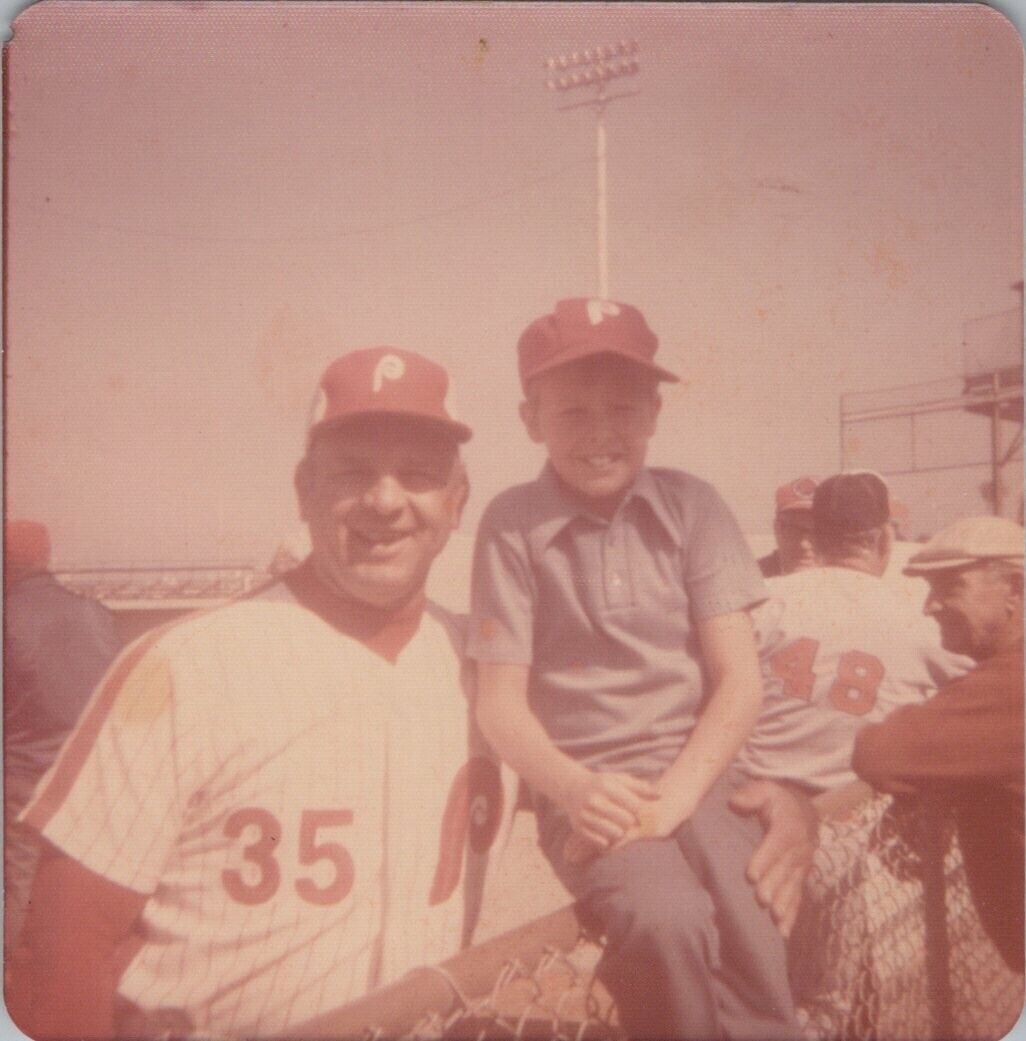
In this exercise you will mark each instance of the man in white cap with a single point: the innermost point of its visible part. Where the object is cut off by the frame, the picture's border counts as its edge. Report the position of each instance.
(965, 745)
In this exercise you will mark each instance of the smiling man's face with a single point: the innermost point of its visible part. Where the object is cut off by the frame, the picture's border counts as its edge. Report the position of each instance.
(381, 497)
(595, 417)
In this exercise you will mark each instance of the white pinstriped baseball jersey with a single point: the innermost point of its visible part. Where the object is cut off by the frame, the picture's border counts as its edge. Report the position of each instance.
(249, 770)
(839, 649)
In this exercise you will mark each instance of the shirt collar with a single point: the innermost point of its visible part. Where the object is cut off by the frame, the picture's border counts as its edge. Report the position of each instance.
(386, 631)
(559, 507)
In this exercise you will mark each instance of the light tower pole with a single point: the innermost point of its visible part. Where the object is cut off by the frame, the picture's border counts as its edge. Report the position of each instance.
(596, 67)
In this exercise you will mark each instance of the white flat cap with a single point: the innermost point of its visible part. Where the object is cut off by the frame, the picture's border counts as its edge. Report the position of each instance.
(968, 541)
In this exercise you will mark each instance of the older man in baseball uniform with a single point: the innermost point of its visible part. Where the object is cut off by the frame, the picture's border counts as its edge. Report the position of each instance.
(270, 808)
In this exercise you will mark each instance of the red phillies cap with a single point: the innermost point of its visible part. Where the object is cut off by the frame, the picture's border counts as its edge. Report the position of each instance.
(26, 544)
(796, 494)
(385, 381)
(580, 327)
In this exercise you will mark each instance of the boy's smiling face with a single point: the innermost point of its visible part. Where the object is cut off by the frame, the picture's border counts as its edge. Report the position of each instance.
(595, 416)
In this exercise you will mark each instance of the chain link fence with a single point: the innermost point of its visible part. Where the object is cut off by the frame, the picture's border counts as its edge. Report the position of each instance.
(888, 947)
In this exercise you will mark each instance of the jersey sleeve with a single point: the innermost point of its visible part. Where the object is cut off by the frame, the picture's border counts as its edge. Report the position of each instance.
(719, 572)
(767, 625)
(114, 799)
(502, 595)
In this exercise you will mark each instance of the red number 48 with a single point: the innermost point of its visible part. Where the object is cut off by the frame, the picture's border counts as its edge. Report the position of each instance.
(261, 853)
(855, 684)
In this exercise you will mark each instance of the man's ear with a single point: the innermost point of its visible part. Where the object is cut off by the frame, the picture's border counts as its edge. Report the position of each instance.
(529, 415)
(657, 404)
(886, 543)
(302, 480)
(460, 493)
(1015, 586)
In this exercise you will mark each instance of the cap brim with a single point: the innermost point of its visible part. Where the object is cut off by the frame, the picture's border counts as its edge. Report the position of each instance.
(954, 563)
(459, 432)
(576, 354)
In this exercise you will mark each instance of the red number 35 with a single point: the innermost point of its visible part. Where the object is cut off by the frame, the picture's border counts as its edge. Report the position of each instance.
(261, 852)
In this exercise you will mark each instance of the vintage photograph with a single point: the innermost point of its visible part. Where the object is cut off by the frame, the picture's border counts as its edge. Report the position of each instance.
(513, 521)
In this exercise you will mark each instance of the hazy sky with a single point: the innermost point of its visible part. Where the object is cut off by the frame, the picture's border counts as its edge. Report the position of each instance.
(206, 203)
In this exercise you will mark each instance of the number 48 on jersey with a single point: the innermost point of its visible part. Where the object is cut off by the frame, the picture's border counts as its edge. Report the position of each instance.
(853, 687)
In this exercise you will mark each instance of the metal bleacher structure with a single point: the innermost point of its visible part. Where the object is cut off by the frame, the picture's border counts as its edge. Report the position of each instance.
(971, 423)
(143, 597)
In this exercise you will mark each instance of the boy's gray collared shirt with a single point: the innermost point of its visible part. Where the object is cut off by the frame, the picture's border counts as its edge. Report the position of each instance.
(604, 612)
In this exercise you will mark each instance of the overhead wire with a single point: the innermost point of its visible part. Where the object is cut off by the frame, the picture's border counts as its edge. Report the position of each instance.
(330, 236)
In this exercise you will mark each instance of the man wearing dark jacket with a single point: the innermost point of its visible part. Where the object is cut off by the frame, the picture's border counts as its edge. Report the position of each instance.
(965, 745)
(57, 645)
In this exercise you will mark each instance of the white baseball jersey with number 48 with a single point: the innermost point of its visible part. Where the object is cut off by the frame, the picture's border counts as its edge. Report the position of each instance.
(240, 770)
(839, 648)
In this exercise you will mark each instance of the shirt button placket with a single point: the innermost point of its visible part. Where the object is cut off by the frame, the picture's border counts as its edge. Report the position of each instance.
(615, 567)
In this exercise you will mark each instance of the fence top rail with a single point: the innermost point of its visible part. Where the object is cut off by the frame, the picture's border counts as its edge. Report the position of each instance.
(953, 392)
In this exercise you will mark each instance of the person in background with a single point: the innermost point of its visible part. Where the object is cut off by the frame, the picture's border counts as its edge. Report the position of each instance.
(964, 747)
(792, 528)
(839, 646)
(57, 645)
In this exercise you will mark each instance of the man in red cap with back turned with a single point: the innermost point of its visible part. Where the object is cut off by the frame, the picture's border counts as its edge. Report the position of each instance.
(56, 646)
(792, 529)
(271, 801)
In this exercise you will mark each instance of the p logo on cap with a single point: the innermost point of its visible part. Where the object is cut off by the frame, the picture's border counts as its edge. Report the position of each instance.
(390, 367)
(598, 309)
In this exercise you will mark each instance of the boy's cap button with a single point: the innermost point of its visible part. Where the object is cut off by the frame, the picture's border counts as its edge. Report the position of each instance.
(385, 381)
(796, 494)
(850, 503)
(968, 542)
(580, 327)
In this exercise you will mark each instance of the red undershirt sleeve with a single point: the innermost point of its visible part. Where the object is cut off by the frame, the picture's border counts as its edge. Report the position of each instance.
(63, 978)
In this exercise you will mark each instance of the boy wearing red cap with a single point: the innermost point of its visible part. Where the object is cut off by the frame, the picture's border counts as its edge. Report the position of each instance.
(618, 675)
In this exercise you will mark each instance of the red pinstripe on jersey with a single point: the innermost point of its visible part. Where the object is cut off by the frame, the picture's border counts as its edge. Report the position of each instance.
(81, 742)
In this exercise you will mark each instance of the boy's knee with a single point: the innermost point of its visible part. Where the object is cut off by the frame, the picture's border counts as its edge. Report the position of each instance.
(668, 914)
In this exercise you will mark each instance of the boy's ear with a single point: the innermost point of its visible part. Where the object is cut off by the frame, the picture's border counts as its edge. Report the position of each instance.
(529, 415)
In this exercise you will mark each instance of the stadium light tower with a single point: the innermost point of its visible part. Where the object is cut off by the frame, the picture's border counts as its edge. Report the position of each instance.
(596, 67)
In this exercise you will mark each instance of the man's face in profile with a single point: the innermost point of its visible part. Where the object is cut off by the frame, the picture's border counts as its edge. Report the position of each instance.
(973, 606)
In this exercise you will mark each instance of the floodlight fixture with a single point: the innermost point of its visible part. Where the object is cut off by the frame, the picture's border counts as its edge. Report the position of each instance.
(596, 67)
